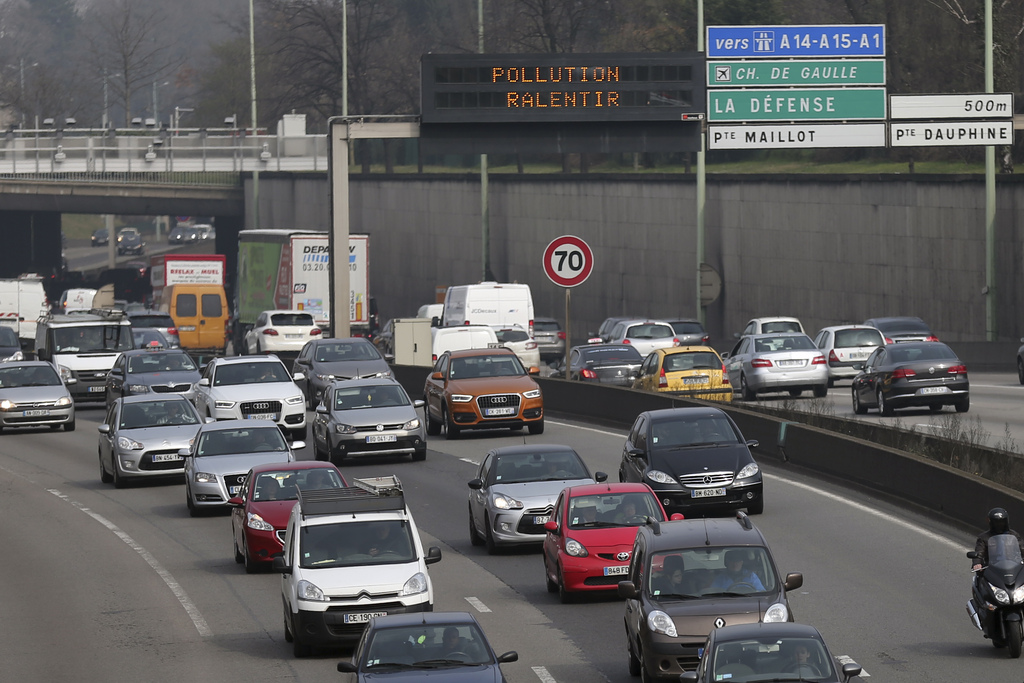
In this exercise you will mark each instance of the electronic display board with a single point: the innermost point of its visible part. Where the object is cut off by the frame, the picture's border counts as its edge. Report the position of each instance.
(520, 88)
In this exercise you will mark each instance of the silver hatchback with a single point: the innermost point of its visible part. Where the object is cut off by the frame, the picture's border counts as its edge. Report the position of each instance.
(846, 347)
(33, 395)
(761, 363)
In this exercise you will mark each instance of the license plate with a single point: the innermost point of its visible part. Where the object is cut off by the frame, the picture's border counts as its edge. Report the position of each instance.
(233, 490)
(381, 438)
(703, 379)
(541, 520)
(166, 457)
(262, 416)
(500, 411)
(707, 493)
(362, 617)
(96, 390)
(858, 355)
(933, 390)
(616, 571)
(34, 413)
(791, 363)
(294, 336)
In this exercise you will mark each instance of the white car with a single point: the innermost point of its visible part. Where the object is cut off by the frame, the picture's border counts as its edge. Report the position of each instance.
(778, 323)
(644, 335)
(253, 388)
(281, 332)
(845, 347)
(520, 341)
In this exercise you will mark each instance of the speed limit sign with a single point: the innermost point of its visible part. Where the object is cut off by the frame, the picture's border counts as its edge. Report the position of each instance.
(568, 261)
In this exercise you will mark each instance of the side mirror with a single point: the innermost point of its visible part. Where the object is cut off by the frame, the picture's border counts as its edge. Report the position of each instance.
(184, 452)
(476, 484)
(209, 419)
(298, 445)
(850, 669)
(435, 322)
(298, 377)
(322, 409)
(688, 676)
(972, 554)
(726, 355)
(103, 429)
(600, 476)
(552, 526)
(627, 590)
(436, 375)
(513, 656)
(280, 564)
(676, 516)
(433, 555)
(347, 668)
(753, 443)
(635, 452)
(858, 366)
(534, 370)
(236, 502)
(419, 403)
(793, 581)
(204, 382)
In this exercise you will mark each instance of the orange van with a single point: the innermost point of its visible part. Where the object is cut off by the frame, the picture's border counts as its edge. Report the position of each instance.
(200, 313)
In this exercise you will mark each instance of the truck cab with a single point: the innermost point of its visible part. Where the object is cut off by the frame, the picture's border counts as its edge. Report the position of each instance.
(84, 346)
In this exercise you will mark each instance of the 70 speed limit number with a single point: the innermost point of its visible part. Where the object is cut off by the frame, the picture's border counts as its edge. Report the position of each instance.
(568, 261)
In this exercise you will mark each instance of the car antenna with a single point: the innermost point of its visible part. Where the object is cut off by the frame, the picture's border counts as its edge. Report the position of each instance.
(707, 538)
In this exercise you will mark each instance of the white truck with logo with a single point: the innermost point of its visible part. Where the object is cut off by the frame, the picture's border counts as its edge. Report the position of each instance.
(498, 304)
(22, 301)
(84, 347)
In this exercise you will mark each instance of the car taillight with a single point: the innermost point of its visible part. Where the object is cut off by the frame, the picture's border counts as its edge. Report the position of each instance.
(433, 357)
(530, 328)
(725, 375)
(705, 339)
(888, 341)
(626, 341)
(675, 341)
(931, 337)
(818, 360)
(531, 345)
(760, 363)
(561, 335)
(270, 332)
(832, 357)
(903, 373)
(662, 379)
(588, 373)
(172, 330)
(958, 369)
(315, 331)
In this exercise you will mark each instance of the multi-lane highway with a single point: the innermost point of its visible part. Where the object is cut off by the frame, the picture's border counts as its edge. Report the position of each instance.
(103, 583)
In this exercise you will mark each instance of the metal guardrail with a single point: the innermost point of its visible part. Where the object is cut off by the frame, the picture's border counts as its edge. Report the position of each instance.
(186, 156)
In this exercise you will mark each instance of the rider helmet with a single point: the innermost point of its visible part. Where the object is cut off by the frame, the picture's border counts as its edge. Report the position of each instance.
(998, 521)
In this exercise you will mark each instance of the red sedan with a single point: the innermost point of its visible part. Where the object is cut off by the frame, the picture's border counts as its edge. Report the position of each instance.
(590, 535)
(259, 514)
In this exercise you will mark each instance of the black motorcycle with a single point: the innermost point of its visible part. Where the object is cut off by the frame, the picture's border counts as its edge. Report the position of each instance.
(997, 601)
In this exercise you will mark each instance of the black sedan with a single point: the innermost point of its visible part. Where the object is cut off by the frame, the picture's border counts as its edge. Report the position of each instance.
(448, 646)
(129, 241)
(604, 363)
(911, 374)
(695, 460)
(769, 652)
(100, 237)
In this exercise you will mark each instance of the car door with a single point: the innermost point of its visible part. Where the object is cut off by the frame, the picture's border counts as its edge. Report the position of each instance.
(552, 540)
(321, 421)
(435, 387)
(304, 363)
(238, 513)
(575, 364)
(647, 379)
(203, 392)
(106, 441)
(252, 335)
(116, 379)
(636, 575)
(734, 363)
(478, 497)
(866, 383)
(633, 464)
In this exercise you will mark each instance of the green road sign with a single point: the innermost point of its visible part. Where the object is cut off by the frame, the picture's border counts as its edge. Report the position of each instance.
(797, 104)
(792, 72)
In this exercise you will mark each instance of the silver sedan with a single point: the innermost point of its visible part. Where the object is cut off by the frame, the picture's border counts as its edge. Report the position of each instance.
(141, 436)
(762, 363)
(33, 395)
(512, 497)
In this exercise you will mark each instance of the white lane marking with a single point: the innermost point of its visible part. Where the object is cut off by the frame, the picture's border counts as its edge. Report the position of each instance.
(587, 429)
(179, 592)
(847, 659)
(923, 425)
(542, 674)
(480, 607)
(864, 508)
(470, 461)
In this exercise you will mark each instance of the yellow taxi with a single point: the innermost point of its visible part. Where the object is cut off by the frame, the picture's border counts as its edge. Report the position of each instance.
(691, 371)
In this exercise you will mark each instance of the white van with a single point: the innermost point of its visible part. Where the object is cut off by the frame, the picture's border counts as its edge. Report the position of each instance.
(459, 338)
(430, 311)
(349, 555)
(22, 302)
(500, 305)
(84, 347)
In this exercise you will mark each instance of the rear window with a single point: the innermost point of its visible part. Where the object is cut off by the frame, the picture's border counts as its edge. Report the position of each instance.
(624, 354)
(546, 326)
(511, 336)
(701, 360)
(793, 343)
(781, 326)
(900, 354)
(904, 325)
(151, 320)
(855, 338)
(688, 328)
(296, 319)
(649, 331)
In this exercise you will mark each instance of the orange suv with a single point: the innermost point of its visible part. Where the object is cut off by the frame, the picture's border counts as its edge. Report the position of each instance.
(481, 389)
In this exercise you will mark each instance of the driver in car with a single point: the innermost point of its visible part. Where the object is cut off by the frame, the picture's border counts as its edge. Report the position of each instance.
(734, 573)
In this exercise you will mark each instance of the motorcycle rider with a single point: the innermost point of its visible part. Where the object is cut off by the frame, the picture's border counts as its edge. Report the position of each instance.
(998, 523)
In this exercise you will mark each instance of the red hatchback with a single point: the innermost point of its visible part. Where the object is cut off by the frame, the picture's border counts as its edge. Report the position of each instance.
(260, 511)
(590, 535)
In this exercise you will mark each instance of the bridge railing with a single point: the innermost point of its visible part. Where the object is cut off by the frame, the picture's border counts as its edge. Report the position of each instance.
(189, 156)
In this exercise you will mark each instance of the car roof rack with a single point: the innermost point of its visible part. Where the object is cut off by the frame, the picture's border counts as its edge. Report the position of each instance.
(744, 520)
(370, 494)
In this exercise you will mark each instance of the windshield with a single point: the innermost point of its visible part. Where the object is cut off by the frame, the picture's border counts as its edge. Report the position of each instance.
(346, 351)
(247, 440)
(1004, 550)
(426, 646)
(256, 372)
(172, 412)
(28, 376)
(97, 338)
(473, 367)
(788, 343)
(8, 337)
(285, 485)
(356, 543)
(698, 360)
(703, 572)
(621, 509)
(380, 396)
(699, 430)
(516, 468)
(160, 362)
(770, 659)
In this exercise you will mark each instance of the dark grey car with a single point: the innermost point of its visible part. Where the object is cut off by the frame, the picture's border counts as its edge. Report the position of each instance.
(324, 360)
(550, 338)
(902, 329)
(616, 364)
(689, 331)
(143, 371)
(922, 374)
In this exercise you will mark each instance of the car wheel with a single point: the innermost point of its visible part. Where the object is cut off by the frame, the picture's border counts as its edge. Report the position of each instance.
(119, 481)
(757, 507)
(634, 663)
(822, 391)
(492, 546)
(104, 475)
(288, 637)
(259, 349)
(433, 426)
(858, 407)
(645, 676)
(831, 382)
(474, 537)
(318, 453)
(795, 392)
(250, 565)
(239, 558)
(451, 431)
(564, 596)
(420, 454)
(193, 511)
(69, 426)
(552, 585)
(963, 405)
(884, 408)
(1020, 370)
(299, 648)
(745, 390)
(537, 427)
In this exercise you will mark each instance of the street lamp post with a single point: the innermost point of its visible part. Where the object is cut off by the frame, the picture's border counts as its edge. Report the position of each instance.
(255, 129)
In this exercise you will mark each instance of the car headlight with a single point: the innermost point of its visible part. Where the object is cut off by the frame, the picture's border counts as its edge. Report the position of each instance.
(138, 388)
(325, 378)
(659, 622)
(660, 477)
(63, 401)
(344, 429)
(748, 471)
(295, 400)
(383, 374)
(532, 393)
(205, 478)
(575, 548)
(65, 374)
(417, 583)
(1001, 596)
(17, 355)
(461, 398)
(223, 405)
(412, 424)
(256, 522)
(8, 405)
(126, 444)
(777, 613)
(309, 591)
(503, 502)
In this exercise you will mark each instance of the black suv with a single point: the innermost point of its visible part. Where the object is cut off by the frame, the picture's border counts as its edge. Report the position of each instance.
(694, 459)
(689, 577)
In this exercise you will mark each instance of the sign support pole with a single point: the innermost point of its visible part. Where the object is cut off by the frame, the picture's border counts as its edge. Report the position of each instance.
(701, 180)
(990, 195)
(568, 333)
